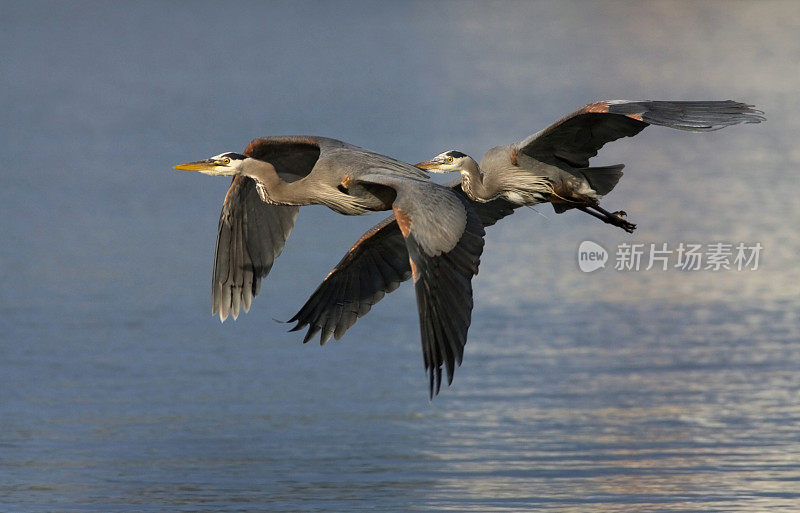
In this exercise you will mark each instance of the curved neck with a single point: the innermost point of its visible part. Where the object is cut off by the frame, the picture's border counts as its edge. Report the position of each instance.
(271, 187)
(472, 180)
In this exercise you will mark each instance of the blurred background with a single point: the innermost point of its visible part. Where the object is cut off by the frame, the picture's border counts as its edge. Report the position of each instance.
(610, 391)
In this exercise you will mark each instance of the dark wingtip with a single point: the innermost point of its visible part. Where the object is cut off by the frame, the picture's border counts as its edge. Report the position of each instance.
(325, 336)
(694, 116)
(750, 112)
(434, 382)
(312, 330)
(756, 116)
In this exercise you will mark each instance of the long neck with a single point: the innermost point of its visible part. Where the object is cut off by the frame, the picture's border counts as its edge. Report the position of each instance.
(472, 180)
(271, 187)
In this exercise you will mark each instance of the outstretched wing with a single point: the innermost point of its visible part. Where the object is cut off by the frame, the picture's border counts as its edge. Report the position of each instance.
(251, 234)
(578, 136)
(444, 239)
(443, 283)
(375, 265)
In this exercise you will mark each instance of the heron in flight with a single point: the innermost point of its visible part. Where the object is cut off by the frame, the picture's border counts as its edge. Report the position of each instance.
(440, 234)
(551, 165)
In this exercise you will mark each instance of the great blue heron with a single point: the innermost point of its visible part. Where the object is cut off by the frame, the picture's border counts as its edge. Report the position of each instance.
(442, 237)
(551, 165)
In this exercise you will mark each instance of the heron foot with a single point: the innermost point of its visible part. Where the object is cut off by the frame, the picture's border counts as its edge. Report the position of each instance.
(618, 219)
(613, 218)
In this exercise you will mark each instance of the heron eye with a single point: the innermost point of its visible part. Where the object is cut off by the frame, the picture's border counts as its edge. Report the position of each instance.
(449, 159)
(226, 160)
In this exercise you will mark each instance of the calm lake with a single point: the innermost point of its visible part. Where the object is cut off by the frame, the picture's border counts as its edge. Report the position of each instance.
(611, 391)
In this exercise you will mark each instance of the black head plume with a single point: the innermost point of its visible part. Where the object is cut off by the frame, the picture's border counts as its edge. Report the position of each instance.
(233, 156)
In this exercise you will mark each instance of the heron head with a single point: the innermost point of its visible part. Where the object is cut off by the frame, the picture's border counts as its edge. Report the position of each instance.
(224, 164)
(446, 162)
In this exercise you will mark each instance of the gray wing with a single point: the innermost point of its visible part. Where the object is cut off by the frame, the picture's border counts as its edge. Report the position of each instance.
(297, 154)
(251, 234)
(375, 266)
(578, 136)
(444, 239)
(443, 284)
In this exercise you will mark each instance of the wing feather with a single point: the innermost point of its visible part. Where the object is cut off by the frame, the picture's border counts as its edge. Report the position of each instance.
(349, 307)
(442, 269)
(444, 300)
(247, 245)
(578, 136)
(379, 263)
(251, 234)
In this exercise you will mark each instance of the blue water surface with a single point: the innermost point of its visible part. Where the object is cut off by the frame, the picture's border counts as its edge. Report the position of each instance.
(613, 391)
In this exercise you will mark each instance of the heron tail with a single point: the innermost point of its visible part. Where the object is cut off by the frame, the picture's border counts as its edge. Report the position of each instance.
(602, 179)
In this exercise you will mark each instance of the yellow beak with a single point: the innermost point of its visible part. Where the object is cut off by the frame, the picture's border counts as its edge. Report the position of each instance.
(199, 165)
(427, 164)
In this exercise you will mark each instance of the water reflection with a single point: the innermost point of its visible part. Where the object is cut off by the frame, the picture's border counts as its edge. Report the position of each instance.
(634, 431)
(606, 392)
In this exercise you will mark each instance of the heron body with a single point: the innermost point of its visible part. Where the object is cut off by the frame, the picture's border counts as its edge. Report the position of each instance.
(442, 237)
(334, 178)
(523, 180)
(549, 166)
(517, 178)
(553, 165)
